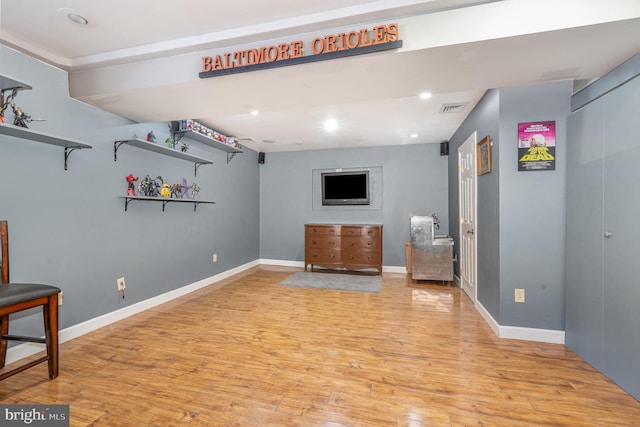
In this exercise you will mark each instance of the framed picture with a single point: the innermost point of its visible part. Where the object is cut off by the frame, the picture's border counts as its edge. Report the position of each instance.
(484, 155)
(537, 146)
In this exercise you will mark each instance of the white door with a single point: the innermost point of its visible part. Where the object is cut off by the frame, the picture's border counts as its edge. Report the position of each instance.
(467, 209)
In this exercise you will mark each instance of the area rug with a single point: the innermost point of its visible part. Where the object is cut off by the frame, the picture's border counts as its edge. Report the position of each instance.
(340, 282)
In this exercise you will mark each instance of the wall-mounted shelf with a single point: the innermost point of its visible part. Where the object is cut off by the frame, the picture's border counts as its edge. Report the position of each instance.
(11, 83)
(211, 142)
(45, 138)
(164, 201)
(157, 148)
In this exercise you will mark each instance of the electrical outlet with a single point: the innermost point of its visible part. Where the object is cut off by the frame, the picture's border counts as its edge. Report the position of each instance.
(215, 257)
(60, 298)
(519, 294)
(121, 284)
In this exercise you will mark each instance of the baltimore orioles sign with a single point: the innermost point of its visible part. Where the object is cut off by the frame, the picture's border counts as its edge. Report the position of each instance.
(376, 39)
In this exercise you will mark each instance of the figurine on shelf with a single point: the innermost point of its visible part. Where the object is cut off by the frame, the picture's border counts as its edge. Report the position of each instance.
(150, 187)
(185, 189)
(194, 190)
(4, 102)
(131, 186)
(151, 137)
(20, 118)
(170, 142)
(176, 191)
(166, 190)
(184, 147)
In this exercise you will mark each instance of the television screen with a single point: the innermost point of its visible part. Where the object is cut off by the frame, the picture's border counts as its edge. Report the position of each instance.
(345, 188)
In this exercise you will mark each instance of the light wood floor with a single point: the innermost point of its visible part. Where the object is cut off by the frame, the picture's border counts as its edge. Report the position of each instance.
(248, 352)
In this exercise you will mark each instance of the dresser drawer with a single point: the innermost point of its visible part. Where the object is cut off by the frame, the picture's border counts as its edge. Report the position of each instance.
(316, 256)
(360, 242)
(372, 258)
(323, 241)
(361, 230)
(314, 229)
(351, 230)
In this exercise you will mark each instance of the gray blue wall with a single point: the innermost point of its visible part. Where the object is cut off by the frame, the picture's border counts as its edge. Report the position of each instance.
(520, 215)
(532, 210)
(414, 182)
(69, 228)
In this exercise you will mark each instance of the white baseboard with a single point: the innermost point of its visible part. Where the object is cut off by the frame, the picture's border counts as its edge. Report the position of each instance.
(394, 269)
(282, 263)
(519, 333)
(28, 349)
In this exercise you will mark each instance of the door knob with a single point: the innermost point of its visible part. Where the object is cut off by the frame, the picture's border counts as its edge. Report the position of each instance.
(470, 231)
(607, 234)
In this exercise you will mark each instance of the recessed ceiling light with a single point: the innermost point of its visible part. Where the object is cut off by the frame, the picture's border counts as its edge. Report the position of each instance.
(425, 95)
(73, 15)
(254, 112)
(268, 141)
(78, 19)
(330, 125)
(413, 135)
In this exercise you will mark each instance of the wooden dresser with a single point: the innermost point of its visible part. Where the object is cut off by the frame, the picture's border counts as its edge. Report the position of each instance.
(350, 246)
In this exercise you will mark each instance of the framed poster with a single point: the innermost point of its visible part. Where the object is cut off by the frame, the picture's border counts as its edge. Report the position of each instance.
(484, 155)
(537, 146)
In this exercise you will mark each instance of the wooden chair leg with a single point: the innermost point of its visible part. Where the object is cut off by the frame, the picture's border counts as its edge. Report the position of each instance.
(4, 330)
(50, 314)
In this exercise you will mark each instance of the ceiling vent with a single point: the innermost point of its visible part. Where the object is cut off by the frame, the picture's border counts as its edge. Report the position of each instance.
(453, 108)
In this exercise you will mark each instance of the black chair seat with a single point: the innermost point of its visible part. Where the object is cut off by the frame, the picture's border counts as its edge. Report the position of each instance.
(16, 293)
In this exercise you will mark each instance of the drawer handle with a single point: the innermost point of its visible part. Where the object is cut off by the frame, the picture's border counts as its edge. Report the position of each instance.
(332, 231)
(314, 255)
(350, 231)
(370, 232)
(332, 243)
(314, 230)
(314, 242)
(350, 256)
(350, 243)
(369, 244)
(332, 256)
(370, 258)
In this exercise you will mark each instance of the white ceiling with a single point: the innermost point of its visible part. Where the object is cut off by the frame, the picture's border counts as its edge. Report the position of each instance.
(131, 59)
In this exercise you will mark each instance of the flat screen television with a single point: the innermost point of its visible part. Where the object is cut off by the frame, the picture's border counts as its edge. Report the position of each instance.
(345, 188)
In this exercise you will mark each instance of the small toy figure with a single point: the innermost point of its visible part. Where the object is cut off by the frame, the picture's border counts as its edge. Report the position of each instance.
(4, 102)
(170, 142)
(194, 190)
(184, 147)
(20, 118)
(185, 189)
(150, 187)
(151, 137)
(166, 191)
(131, 187)
(176, 191)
